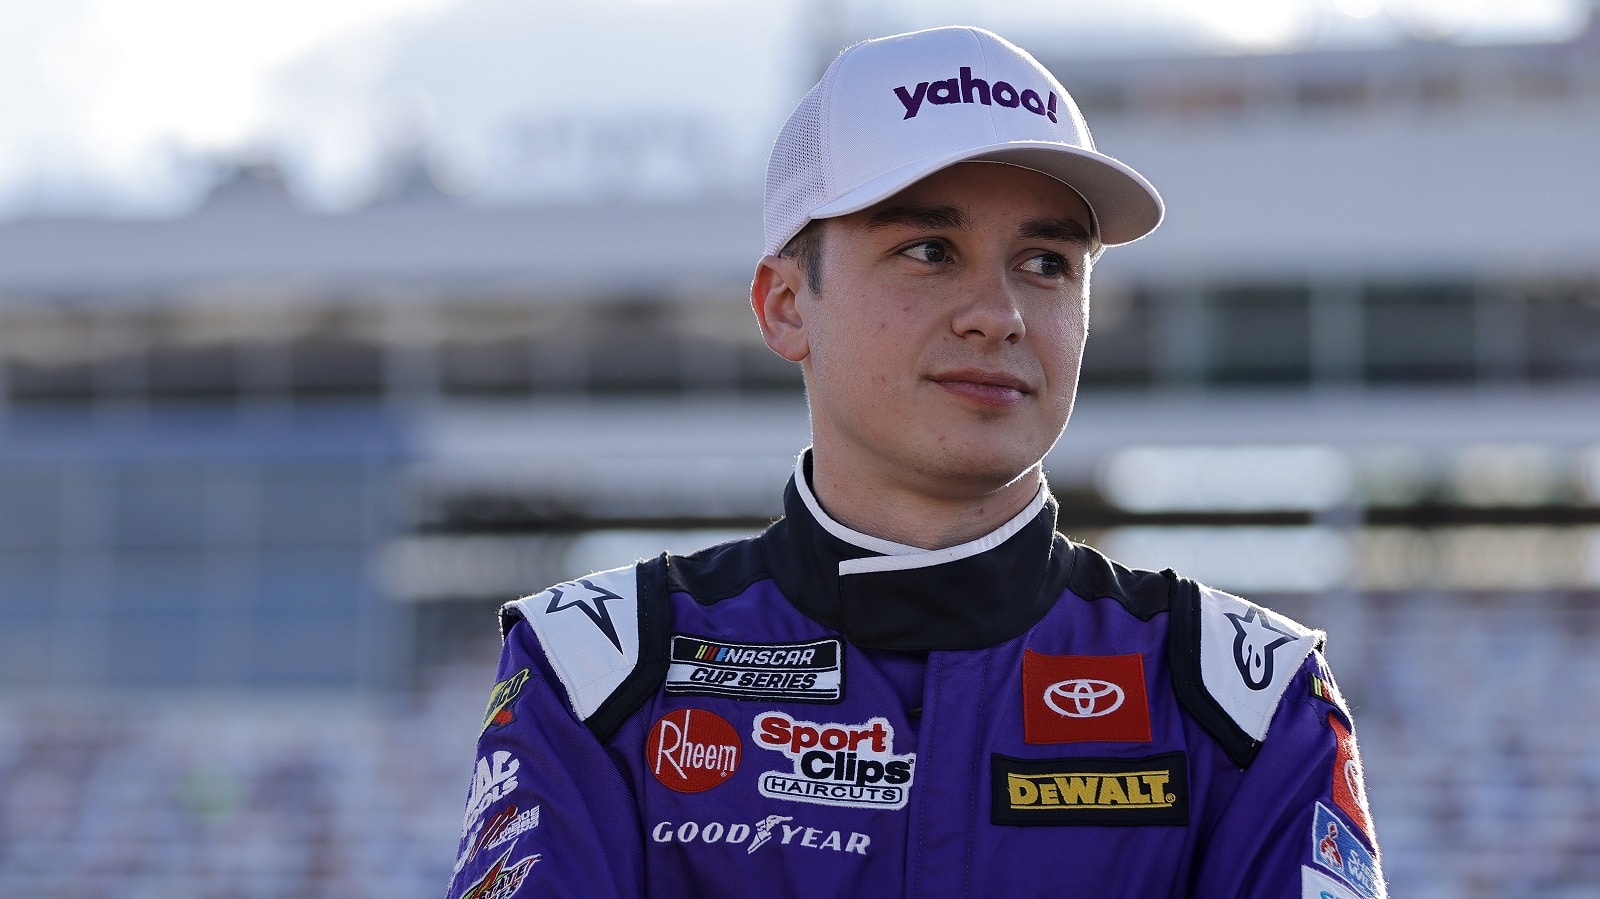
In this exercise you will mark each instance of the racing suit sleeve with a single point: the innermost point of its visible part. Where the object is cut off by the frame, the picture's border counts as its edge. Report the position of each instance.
(1298, 824)
(547, 807)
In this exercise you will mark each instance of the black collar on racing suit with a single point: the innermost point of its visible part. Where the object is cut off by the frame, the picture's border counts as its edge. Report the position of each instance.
(885, 595)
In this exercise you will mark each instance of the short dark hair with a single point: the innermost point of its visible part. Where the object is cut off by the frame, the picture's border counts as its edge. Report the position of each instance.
(805, 248)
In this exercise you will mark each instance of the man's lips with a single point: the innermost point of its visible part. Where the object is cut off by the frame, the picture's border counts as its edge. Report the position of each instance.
(988, 387)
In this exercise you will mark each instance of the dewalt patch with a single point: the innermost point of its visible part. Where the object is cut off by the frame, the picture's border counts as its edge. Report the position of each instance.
(1148, 791)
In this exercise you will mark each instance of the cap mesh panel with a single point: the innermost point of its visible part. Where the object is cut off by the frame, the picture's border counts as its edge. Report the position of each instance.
(796, 180)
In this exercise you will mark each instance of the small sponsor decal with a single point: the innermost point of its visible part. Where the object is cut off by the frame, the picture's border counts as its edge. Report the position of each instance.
(1349, 785)
(835, 764)
(503, 878)
(1316, 885)
(1083, 699)
(1335, 847)
(1098, 791)
(773, 829)
(692, 750)
(1323, 688)
(500, 699)
(493, 779)
(1254, 640)
(1324, 691)
(504, 826)
(792, 672)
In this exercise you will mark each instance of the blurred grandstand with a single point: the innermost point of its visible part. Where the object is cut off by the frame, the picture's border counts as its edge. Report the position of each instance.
(266, 473)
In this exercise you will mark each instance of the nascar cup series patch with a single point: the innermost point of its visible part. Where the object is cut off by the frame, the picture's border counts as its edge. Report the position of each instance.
(785, 672)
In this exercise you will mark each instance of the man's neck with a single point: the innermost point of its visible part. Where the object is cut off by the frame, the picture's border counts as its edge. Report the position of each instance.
(919, 518)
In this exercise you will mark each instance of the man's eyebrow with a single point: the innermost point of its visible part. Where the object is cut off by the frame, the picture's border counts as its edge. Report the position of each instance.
(925, 218)
(1066, 230)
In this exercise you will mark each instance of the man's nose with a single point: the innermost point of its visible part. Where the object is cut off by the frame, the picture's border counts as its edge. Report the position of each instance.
(989, 311)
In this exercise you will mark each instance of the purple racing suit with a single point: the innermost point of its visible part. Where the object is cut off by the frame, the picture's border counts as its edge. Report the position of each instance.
(817, 712)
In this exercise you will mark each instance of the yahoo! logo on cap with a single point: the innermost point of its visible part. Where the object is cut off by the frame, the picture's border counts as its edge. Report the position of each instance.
(967, 89)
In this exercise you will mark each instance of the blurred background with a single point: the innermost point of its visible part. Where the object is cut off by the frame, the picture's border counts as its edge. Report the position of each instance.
(326, 327)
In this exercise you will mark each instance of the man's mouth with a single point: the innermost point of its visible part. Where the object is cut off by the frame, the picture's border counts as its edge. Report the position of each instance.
(987, 387)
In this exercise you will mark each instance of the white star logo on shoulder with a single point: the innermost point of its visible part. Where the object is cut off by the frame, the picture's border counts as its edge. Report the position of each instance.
(590, 662)
(567, 596)
(1254, 640)
(1248, 656)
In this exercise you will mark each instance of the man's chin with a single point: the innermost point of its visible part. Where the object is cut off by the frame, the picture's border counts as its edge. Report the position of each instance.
(978, 473)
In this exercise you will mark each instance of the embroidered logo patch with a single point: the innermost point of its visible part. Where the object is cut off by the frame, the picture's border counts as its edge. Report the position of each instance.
(1082, 699)
(1316, 885)
(503, 827)
(790, 672)
(500, 699)
(1335, 847)
(493, 778)
(835, 764)
(772, 830)
(1349, 786)
(1248, 656)
(1254, 641)
(590, 599)
(1144, 791)
(692, 750)
(503, 878)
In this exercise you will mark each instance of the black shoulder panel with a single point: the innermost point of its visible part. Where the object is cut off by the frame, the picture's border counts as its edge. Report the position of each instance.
(719, 572)
(1142, 593)
(1183, 654)
(655, 631)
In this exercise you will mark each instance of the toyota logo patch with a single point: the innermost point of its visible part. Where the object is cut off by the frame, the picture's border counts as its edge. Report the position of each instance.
(1084, 697)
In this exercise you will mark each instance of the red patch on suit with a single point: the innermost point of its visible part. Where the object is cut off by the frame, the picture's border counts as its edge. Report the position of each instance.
(1084, 699)
(1349, 785)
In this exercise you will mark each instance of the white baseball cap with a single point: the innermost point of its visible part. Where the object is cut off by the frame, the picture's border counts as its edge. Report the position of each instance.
(892, 111)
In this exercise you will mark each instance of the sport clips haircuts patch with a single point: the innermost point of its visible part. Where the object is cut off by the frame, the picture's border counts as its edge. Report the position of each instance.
(788, 672)
(835, 763)
(1141, 791)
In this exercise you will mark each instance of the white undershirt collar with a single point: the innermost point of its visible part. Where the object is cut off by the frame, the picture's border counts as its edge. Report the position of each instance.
(900, 556)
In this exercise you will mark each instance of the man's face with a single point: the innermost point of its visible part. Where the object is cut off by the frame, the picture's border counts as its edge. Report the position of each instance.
(943, 350)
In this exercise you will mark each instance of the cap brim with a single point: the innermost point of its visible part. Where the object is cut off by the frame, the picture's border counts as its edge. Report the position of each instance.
(1126, 206)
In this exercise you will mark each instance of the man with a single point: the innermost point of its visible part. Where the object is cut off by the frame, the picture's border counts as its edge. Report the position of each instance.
(911, 684)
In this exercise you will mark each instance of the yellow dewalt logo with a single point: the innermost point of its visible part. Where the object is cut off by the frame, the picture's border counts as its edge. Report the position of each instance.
(1146, 789)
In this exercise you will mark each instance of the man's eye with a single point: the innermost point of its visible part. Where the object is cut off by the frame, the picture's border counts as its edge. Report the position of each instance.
(927, 251)
(1049, 265)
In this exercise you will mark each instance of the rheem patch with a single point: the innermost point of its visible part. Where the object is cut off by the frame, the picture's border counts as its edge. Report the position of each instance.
(692, 750)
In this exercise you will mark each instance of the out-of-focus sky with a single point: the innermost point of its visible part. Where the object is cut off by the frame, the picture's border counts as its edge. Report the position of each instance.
(136, 106)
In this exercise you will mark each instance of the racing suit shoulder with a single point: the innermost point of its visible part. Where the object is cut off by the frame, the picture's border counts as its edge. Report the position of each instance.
(604, 636)
(1232, 661)
(718, 572)
(1093, 576)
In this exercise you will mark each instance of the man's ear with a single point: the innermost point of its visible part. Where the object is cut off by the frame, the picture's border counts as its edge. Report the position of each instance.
(774, 296)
